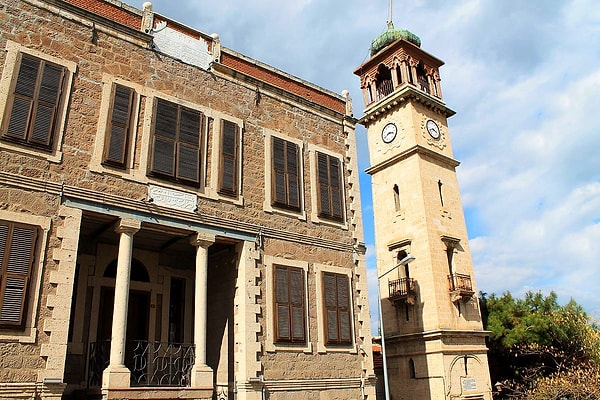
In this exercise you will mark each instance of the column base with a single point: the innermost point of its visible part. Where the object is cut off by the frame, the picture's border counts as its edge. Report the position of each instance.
(116, 376)
(202, 376)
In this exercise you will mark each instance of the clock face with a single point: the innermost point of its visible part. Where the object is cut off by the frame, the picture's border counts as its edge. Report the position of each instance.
(433, 129)
(389, 132)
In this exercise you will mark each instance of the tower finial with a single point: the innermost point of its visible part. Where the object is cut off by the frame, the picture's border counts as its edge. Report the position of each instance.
(390, 13)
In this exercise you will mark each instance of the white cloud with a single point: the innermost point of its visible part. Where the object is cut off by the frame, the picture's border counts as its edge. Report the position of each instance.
(524, 78)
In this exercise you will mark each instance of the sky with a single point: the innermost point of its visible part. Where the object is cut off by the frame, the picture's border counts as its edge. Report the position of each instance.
(524, 80)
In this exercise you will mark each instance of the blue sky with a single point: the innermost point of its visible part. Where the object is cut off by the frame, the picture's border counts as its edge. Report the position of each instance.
(524, 79)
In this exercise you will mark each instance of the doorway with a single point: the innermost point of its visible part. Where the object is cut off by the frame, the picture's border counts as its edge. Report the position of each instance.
(138, 317)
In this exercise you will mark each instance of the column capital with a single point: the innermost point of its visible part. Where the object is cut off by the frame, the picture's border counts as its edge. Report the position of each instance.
(128, 226)
(201, 239)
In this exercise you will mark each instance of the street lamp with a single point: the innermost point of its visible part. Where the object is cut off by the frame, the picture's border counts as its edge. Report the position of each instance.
(408, 258)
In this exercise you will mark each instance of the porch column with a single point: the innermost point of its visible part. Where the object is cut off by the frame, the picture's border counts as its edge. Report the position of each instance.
(202, 374)
(117, 375)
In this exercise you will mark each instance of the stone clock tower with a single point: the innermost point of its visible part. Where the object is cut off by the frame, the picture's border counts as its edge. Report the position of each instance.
(433, 336)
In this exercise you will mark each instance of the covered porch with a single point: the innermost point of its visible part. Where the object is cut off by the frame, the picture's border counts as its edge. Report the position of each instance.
(152, 313)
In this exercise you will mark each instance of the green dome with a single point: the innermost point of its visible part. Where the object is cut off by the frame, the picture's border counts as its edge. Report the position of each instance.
(390, 36)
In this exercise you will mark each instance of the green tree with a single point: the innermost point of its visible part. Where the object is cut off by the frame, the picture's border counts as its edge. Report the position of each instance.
(537, 344)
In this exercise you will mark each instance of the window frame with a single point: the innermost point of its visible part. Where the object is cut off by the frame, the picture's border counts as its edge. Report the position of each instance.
(8, 258)
(178, 144)
(127, 127)
(233, 157)
(27, 331)
(287, 308)
(323, 343)
(14, 55)
(342, 286)
(315, 214)
(268, 205)
(271, 342)
(289, 171)
(329, 186)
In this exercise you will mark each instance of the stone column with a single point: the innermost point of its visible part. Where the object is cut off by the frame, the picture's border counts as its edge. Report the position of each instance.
(436, 79)
(413, 72)
(202, 374)
(404, 71)
(116, 375)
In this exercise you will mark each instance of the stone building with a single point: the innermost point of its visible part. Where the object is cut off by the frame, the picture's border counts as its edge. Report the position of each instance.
(432, 336)
(195, 205)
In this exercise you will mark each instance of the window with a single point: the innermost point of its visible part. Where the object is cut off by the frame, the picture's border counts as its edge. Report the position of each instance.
(119, 127)
(285, 184)
(34, 103)
(17, 253)
(290, 323)
(396, 198)
(228, 175)
(336, 292)
(330, 186)
(176, 150)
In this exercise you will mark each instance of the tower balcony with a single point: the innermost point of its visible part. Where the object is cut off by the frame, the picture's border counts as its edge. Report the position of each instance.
(402, 290)
(461, 286)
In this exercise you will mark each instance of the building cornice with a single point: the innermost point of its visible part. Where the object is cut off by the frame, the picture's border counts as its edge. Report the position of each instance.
(73, 11)
(263, 88)
(417, 149)
(107, 203)
(404, 94)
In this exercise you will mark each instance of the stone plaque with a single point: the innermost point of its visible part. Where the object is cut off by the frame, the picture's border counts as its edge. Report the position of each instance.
(181, 46)
(469, 384)
(172, 198)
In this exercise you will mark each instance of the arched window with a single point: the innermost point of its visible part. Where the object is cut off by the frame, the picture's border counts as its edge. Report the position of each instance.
(383, 82)
(412, 373)
(422, 81)
(404, 272)
(138, 271)
(399, 74)
(397, 197)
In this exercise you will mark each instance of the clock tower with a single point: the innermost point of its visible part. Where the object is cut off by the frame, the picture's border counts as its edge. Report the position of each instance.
(432, 335)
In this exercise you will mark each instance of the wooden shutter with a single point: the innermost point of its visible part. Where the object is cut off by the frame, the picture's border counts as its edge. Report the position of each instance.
(282, 304)
(188, 154)
(331, 319)
(279, 186)
(286, 174)
(323, 173)
(119, 126)
(47, 105)
(343, 304)
(330, 186)
(22, 107)
(336, 294)
(35, 102)
(17, 246)
(165, 131)
(177, 142)
(229, 158)
(289, 304)
(297, 304)
(293, 175)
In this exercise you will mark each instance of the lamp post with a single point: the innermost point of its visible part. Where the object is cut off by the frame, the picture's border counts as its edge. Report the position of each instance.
(401, 263)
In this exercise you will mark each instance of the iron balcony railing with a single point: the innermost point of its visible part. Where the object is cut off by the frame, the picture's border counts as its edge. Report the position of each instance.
(384, 88)
(401, 288)
(460, 282)
(150, 363)
(423, 84)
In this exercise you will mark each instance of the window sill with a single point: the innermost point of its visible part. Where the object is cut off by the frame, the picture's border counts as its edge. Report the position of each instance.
(268, 208)
(11, 336)
(281, 347)
(329, 222)
(53, 157)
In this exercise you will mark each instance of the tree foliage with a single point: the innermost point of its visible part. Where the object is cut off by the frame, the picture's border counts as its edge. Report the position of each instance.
(540, 349)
